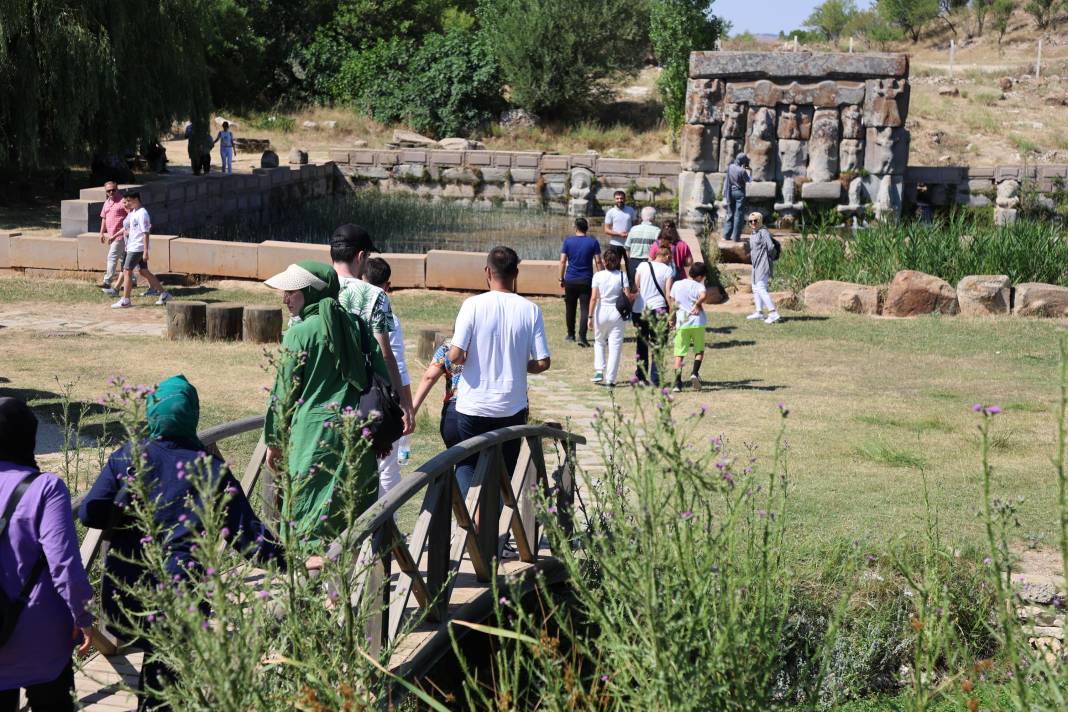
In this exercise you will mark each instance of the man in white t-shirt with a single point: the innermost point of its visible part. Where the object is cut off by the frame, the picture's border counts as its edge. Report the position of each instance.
(619, 220)
(136, 230)
(499, 338)
(653, 281)
(688, 297)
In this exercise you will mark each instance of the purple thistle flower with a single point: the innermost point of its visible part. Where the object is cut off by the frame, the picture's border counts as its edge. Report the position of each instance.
(552, 509)
(977, 407)
(604, 678)
(210, 571)
(205, 625)
(182, 518)
(993, 410)
(151, 618)
(323, 517)
(686, 515)
(264, 594)
(225, 533)
(146, 539)
(504, 601)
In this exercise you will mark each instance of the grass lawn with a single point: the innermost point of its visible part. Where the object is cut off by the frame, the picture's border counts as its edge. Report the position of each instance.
(874, 403)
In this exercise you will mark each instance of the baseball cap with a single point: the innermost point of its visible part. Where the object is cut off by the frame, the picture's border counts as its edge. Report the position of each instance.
(354, 235)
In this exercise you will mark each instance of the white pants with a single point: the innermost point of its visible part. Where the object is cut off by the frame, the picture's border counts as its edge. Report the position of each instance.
(607, 332)
(116, 254)
(761, 298)
(227, 155)
(389, 471)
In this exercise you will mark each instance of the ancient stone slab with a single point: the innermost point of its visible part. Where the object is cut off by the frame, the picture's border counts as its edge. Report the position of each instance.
(886, 150)
(663, 168)
(816, 65)
(524, 175)
(1005, 216)
(984, 295)
(447, 158)
(729, 148)
(467, 176)
(734, 118)
(762, 189)
(823, 190)
(789, 125)
(214, 257)
(370, 172)
(824, 94)
(793, 157)
(850, 155)
(555, 163)
(829, 297)
(1037, 299)
(914, 293)
(494, 175)
(699, 147)
(886, 102)
(823, 146)
(887, 196)
(619, 165)
(760, 146)
(1008, 194)
(702, 101)
(851, 122)
(45, 252)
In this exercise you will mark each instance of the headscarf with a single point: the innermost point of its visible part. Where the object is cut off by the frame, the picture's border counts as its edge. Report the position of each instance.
(338, 330)
(174, 411)
(18, 432)
(741, 159)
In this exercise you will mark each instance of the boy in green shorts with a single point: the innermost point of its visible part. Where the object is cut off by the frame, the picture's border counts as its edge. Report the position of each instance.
(688, 299)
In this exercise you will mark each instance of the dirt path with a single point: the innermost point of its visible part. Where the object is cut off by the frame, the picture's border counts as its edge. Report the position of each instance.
(96, 319)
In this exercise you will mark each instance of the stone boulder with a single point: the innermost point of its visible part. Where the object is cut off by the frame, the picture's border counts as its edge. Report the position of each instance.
(913, 293)
(1036, 299)
(298, 157)
(829, 297)
(984, 295)
(734, 252)
(410, 139)
(519, 118)
(269, 159)
(454, 143)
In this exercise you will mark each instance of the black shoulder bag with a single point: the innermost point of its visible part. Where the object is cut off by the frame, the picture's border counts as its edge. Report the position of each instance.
(10, 610)
(379, 403)
(652, 275)
(623, 304)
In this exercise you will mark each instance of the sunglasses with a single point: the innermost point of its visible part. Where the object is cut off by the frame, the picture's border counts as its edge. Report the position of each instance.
(753, 222)
(109, 191)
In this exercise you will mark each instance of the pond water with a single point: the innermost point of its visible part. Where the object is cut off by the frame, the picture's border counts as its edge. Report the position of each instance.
(412, 225)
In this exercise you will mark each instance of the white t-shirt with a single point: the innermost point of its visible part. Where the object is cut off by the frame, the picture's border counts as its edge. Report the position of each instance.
(648, 295)
(620, 220)
(686, 293)
(609, 286)
(396, 345)
(137, 225)
(500, 332)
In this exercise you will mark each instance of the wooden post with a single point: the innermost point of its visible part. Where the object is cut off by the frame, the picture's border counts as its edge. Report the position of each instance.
(224, 322)
(186, 319)
(1038, 61)
(437, 549)
(429, 340)
(262, 325)
(952, 53)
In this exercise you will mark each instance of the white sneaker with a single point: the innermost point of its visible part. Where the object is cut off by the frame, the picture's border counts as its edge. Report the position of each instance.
(123, 303)
(772, 318)
(695, 382)
(163, 299)
(597, 377)
(754, 316)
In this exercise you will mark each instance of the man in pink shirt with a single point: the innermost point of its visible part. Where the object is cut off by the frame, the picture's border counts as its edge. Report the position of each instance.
(111, 217)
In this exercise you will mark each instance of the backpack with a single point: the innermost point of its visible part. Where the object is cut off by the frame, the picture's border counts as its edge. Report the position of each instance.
(623, 304)
(380, 398)
(10, 610)
(776, 248)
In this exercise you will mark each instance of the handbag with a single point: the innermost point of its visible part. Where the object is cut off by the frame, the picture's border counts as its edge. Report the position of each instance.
(656, 284)
(379, 403)
(10, 610)
(623, 305)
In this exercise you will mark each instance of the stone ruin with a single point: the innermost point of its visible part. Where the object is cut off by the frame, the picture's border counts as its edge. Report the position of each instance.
(817, 127)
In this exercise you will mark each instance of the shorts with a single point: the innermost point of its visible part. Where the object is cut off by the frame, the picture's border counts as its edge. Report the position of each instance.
(687, 337)
(134, 259)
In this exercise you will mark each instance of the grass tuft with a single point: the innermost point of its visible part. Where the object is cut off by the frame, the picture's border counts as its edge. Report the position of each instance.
(883, 453)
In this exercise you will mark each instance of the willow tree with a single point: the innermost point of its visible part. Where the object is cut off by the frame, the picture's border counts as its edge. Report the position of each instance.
(78, 78)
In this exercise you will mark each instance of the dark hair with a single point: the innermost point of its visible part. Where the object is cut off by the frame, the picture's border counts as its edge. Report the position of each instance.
(503, 262)
(613, 255)
(698, 270)
(582, 224)
(226, 125)
(135, 194)
(620, 192)
(670, 232)
(342, 251)
(377, 271)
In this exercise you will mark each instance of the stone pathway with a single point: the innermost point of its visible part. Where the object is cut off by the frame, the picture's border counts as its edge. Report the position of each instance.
(56, 320)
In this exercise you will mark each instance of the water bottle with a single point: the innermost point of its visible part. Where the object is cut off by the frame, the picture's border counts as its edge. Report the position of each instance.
(404, 449)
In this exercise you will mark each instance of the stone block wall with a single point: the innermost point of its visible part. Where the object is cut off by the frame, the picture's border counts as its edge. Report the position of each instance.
(827, 127)
(1006, 188)
(579, 184)
(187, 205)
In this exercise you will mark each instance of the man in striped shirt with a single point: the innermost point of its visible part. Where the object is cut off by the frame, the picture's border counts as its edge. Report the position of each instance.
(640, 240)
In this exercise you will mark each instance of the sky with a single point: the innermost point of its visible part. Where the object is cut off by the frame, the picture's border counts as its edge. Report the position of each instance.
(768, 16)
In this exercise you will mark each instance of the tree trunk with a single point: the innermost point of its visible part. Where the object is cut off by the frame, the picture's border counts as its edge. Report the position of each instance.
(224, 322)
(262, 325)
(186, 320)
(429, 340)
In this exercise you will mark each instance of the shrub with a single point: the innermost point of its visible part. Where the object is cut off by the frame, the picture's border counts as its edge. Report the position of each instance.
(676, 28)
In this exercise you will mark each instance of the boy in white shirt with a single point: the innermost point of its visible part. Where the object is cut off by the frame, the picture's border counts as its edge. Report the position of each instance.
(688, 299)
(136, 229)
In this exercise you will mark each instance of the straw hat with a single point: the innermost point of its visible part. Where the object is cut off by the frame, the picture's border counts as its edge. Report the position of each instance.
(295, 278)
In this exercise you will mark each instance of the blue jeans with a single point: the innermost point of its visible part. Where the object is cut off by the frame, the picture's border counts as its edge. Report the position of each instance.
(732, 226)
(468, 426)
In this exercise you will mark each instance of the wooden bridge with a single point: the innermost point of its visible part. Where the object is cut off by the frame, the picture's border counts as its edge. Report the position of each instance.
(445, 565)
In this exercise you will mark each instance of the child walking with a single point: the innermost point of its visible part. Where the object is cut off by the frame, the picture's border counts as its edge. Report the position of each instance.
(136, 229)
(688, 298)
(609, 285)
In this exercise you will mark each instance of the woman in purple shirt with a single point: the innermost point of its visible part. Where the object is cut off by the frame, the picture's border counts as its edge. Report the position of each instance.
(37, 655)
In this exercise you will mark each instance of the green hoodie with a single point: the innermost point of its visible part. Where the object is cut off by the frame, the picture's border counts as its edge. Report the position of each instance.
(174, 411)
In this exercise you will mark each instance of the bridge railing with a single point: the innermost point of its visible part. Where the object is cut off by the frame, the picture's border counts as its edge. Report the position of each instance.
(500, 504)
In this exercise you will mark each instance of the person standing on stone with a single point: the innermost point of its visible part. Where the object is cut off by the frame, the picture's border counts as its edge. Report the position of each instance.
(580, 257)
(136, 229)
(608, 286)
(619, 220)
(499, 338)
(111, 217)
(640, 239)
(734, 191)
(653, 282)
(760, 251)
(227, 149)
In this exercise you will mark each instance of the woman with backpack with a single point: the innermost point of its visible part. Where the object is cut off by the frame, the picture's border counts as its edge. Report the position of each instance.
(610, 306)
(44, 591)
(763, 251)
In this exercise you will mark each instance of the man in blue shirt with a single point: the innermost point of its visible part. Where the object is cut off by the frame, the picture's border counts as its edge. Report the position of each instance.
(580, 256)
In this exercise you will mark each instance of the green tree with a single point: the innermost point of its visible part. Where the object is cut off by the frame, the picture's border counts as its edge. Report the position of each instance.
(980, 11)
(1043, 11)
(1001, 13)
(676, 28)
(831, 18)
(555, 55)
(911, 16)
(84, 77)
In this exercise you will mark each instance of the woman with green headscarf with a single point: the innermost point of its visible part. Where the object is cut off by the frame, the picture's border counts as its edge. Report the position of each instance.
(322, 371)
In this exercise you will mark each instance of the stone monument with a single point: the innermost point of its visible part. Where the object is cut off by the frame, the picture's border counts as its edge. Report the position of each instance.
(823, 120)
